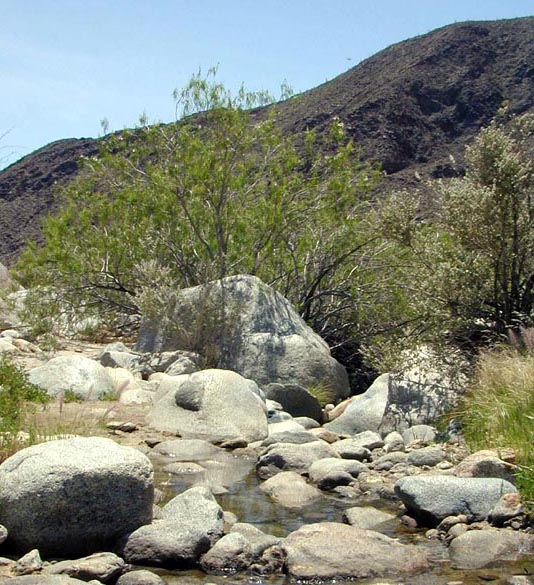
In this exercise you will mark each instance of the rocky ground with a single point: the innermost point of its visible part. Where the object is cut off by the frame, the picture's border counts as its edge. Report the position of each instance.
(407, 503)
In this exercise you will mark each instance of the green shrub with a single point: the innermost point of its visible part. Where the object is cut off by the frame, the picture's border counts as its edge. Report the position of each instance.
(16, 392)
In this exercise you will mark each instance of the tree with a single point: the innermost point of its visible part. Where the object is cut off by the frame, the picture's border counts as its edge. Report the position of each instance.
(220, 192)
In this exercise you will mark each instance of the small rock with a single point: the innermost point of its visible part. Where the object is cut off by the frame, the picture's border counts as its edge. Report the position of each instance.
(123, 426)
(140, 577)
(230, 554)
(289, 489)
(366, 517)
(3, 533)
(393, 442)
(508, 507)
(423, 433)
(30, 563)
(426, 456)
(104, 567)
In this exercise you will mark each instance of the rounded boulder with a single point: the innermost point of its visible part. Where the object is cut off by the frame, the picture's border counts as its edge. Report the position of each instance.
(73, 497)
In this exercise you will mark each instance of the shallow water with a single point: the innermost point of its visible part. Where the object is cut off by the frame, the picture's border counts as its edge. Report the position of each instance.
(244, 498)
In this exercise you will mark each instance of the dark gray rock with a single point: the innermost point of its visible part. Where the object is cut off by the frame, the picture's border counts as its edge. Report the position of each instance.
(253, 330)
(295, 399)
(431, 498)
(336, 551)
(214, 405)
(72, 497)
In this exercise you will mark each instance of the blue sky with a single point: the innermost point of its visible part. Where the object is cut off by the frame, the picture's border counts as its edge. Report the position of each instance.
(67, 64)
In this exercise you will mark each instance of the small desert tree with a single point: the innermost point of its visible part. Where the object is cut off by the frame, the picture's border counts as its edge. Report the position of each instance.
(469, 269)
(220, 192)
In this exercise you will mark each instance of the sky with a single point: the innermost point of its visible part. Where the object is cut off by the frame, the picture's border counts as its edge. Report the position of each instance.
(66, 65)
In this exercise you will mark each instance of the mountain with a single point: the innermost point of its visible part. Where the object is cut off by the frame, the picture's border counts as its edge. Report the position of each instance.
(413, 107)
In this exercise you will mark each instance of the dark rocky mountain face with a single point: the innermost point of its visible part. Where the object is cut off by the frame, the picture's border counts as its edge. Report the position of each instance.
(413, 107)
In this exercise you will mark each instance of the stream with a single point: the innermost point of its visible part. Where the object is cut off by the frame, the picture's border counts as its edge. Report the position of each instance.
(236, 487)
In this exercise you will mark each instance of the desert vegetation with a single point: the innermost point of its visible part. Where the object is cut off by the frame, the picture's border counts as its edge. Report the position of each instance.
(223, 192)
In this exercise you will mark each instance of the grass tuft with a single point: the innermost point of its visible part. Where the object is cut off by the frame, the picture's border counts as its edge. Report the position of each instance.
(499, 410)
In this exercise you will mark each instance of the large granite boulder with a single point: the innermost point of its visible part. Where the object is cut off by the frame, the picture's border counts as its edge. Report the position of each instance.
(246, 326)
(214, 405)
(329, 550)
(431, 498)
(76, 374)
(73, 497)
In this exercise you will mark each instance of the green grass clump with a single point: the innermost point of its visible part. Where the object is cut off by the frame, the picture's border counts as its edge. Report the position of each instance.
(16, 396)
(324, 393)
(499, 410)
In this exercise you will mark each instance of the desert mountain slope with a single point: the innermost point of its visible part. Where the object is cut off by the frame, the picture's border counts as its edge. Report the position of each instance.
(413, 107)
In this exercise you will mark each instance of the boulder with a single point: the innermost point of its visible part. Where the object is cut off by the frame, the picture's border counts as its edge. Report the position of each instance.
(332, 472)
(215, 405)
(485, 464)
(251, 329)
(364, 412)
(367, 517)
(140, 577)
(420, 434)
(104, 567)
(289, 489)
(431, 498)
(336, 551)
(430, 385)
(480, 548)
(119, 359)
(295, 437)
(258, 540)
(72, 497)
(295, 399)
(291, 457)
(82, 376)
(230, 554)
(426, 456)
(191, 524)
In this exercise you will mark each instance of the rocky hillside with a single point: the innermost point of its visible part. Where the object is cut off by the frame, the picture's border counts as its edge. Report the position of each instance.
(413, 107)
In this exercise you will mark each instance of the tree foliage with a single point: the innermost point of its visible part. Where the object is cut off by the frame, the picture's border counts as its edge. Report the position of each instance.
(220, 192)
